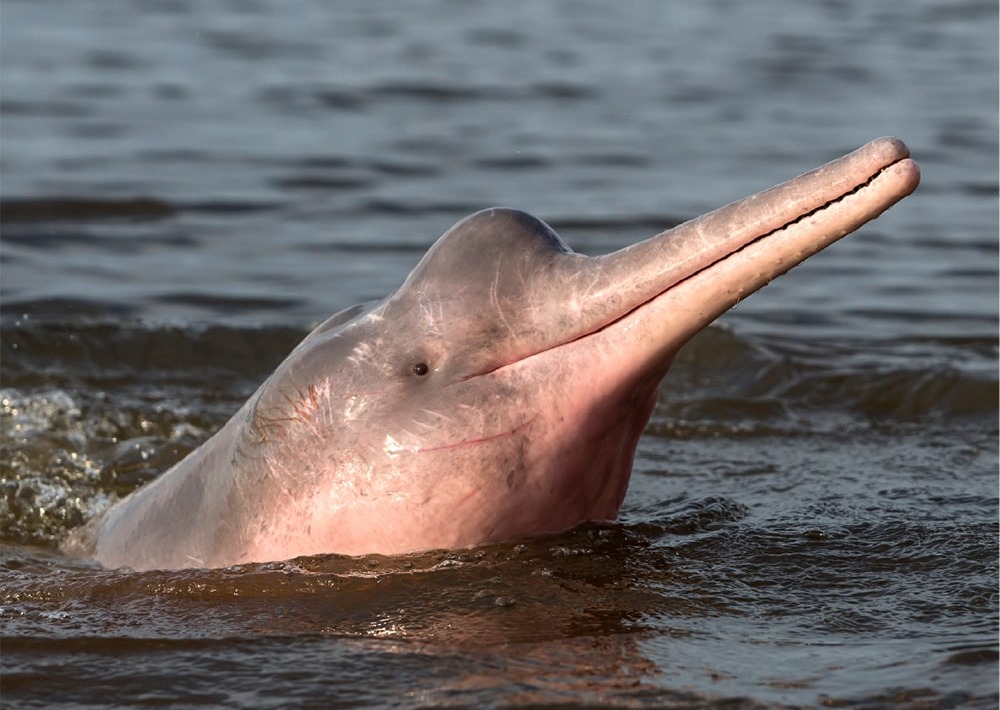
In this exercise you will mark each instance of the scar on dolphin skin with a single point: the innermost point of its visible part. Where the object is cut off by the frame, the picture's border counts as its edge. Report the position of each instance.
(465, 442)
(302, 408)
(571, 349)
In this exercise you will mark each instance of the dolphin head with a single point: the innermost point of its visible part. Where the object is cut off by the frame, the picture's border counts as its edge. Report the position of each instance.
(502, 390)
(454, 412)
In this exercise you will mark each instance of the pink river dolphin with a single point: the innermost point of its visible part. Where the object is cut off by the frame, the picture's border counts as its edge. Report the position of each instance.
(500, 393)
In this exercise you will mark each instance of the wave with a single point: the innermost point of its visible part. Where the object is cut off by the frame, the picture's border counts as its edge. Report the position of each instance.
(903, 379)
(719, 368)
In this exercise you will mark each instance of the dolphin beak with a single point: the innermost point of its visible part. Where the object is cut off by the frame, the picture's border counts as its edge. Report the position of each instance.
(696, 271)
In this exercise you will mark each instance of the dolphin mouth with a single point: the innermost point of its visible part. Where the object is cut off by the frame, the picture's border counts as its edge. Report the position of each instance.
(695, 272)
(903, 163)
(806, 215)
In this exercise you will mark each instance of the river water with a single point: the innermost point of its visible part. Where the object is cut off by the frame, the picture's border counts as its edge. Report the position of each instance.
(188, 187)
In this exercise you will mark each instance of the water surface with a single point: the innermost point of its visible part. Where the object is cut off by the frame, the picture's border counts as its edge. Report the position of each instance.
(185, 188)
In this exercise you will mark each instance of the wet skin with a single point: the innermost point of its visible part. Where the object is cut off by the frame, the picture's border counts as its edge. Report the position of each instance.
(499, 393)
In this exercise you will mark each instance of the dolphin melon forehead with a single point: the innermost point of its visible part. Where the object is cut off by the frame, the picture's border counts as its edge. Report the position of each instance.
(487, 238)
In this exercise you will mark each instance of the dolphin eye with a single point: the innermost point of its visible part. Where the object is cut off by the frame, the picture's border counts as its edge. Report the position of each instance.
(420, 369)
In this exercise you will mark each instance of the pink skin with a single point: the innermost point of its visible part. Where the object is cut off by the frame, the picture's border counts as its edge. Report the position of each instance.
(499, 393)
